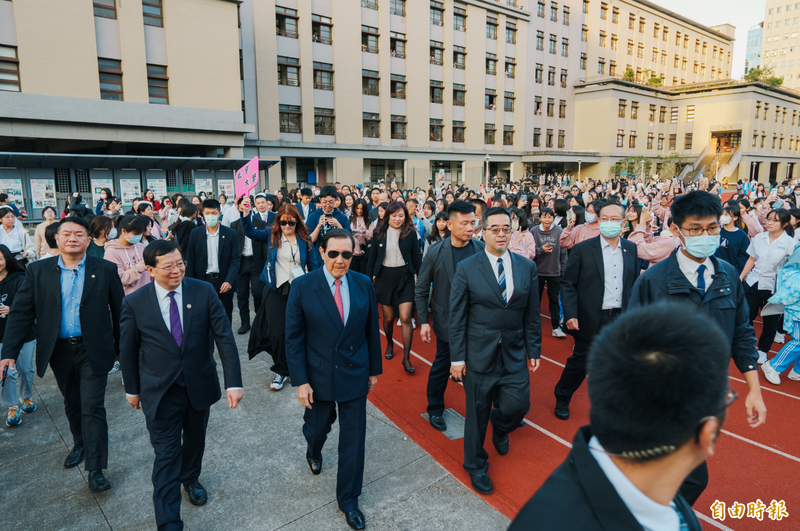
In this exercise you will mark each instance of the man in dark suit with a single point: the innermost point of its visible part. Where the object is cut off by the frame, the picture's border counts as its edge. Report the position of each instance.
(305, 206)
(254, 256)
(168, 329)
(494, 329)
(437, 272)
(75, 302)
(327, 217)
(263, 205)
(595, 289)
(624, 471)
(214, 255)
(333, 348)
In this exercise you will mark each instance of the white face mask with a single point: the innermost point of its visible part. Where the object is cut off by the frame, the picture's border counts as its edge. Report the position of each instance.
(590, 218)
(724, 220)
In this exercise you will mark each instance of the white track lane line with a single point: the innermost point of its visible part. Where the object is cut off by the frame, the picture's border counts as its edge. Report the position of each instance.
(764, 446)
(763, 388)
(711, 521)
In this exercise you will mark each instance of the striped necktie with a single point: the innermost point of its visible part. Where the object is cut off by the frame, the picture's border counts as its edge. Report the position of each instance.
(683, 526)
(501, 278)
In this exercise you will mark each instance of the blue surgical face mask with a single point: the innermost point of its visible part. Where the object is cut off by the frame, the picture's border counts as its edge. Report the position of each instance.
(610, 229)
(701, 246)
(134, 239)
(211, 221)
(590, 218)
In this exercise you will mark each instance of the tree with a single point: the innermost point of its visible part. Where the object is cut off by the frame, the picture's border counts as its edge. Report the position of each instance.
(631, 166)
(672, 164)
(763, 75)
(629, 75)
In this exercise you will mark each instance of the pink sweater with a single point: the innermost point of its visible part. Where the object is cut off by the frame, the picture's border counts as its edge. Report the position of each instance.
(575, 235)
(130, 266)
(525, 247)
(649, 248)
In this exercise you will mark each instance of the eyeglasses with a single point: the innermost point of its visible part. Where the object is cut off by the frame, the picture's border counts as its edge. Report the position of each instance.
(347, 255)
(173, 267)
(712, 231)
(284, 223)
(730, 398)
(499, 230)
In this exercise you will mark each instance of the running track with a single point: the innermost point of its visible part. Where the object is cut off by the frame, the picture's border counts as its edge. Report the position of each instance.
(750, 464)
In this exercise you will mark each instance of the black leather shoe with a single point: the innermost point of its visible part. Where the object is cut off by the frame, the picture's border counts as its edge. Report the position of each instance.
(244, 329)
(314, 463)
(74, 458)
(562, 411)
(500, 443)
(98, 482)
(438, 423)
(197, 493)
(355, 519)
(482, 484)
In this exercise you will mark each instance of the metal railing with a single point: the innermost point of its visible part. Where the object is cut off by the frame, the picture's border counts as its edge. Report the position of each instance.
(399, 11)
(322, 40)
(289, 82)
(370, 92)
(322, 130)
(369, 48)
(287, 128)
(458, 139)
(459, 27)
(399, 136)
(400, 55)
(458, 103)
(322, 85)
(459, 66)
(372, 134)
(287, 33)
(435, 61)
(436, 100)
(399, 95)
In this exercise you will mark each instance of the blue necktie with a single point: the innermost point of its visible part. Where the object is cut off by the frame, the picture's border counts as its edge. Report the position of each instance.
(701, 279)
(683, 526)
(501, 278)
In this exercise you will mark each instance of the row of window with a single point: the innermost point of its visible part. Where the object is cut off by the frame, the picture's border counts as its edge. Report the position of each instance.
(780, 112)
(661, 111)
(640, 50)
(780, 9)
(540, 11)
(551, 75)
(673, 140)
(152, 11)
(110, 71)
(548, 138)
(777, 141)
(552, 44)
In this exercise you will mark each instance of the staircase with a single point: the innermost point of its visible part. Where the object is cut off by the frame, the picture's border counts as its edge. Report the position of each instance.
(701, 166)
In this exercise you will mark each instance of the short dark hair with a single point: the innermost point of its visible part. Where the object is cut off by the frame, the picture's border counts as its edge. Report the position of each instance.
(156, 249)
(460, 206)
(412, 200)
(328, 191)
(478, 203)
(12, 266)
(649, 391)
(3, 197)
(306, 192)
(76, 220)
(337, 234)
(695, 204)
(211, 203)
(495, 211)
(522, 217)
(98, 225)
(546, 210)
(611, 204)
(188, 208)
(135, 224)
(51, 230)
(597, 205)
(560, 206)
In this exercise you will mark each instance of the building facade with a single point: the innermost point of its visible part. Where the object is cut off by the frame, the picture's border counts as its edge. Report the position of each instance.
(755, 36)
(780, 42)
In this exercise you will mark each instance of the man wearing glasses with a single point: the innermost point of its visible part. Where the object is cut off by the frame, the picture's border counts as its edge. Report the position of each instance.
(170, 372)
(495, 338)
(333, 348)
(327, 217)
(693, 274)
(595, 289)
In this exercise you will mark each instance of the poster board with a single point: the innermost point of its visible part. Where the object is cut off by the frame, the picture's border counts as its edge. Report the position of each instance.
(97, 187)
(158, 186)
(225, 186)
(203, 185)
(43, 193)
(13, 187)
(129, 190)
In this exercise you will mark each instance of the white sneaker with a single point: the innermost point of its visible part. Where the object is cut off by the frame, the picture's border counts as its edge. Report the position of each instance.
(771, 374)
(779, 338)
(277, 382)
(762, 357)
(413, 324)
(398, 322)
(115, 368)
(558, 333)
(794, 376)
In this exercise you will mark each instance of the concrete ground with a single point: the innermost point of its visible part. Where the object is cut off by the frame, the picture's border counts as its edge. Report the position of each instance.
(254, 470)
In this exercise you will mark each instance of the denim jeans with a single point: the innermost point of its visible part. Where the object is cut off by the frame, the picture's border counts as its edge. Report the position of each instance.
(23, 368)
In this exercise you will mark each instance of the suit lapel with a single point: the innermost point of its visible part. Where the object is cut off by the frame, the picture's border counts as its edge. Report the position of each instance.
(488, 273)
(629, 265)
(597, 253)
(160, 324)
(516, 274)
(188, 307)
(354, 299)
(89, 278)
(326, 299)
(447, 251)
(54, 282)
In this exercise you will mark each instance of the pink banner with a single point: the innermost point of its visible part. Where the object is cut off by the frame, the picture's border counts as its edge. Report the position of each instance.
(246, 178)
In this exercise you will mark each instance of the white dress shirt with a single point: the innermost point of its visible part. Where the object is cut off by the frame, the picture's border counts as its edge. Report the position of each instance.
(651, 515)
(212, 244)
(768, 255)
(613, 266)
(247, 247)
(305, 209)
(689, 269)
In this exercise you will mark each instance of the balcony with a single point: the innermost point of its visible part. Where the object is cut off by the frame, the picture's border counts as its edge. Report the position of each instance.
(398, 136)
(372, 134)
(370, 92)
(400, 11)
(401, 54)
(435, 61)
(369, 4)
(459, 66)
(322, 40)
(459, 27)
(289, 128)
(458, 139)
(399, 95)
(370, 48)
(458, 103)
(323, 130)
(292, 34)
(436, 100)
(323, 85)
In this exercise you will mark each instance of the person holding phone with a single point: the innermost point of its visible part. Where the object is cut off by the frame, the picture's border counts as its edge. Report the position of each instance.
(551, 262)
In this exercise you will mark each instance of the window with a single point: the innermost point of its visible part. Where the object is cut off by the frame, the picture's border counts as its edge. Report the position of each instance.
(288, 71)
(157, 84)
(110, 79)
(621, 111)
(291, 119)
(602, 39)
(369, 39)
(398, 127)
(459, 19)
(511, 67)
(105, 8)
(324, 121)
(663, 57)
(612, 68)
(540, 40)
(398, 84)
(552, 44)
(655, 55)
(437, 53)
(508, 102)
(584, 34)
(437, 18)
(370, 83)
(632, 140)
(459, 57)
(323, 76)
(564, 47)
(488, 134)
(705, 47)
(152, 10)
(537, 137)
(662, 115)
(540, 9)
(286, 22)
(632, 21)
(561, 137)
(615, 15)
(491, 64)
(676, 63)
(641, 25)
(686, 42)
(565, 16)
(491, 28)
(553, 12)
(690, 113)
(673, 141)
(459, 94)
(508, 135)
(397, 43)
(601, 66)
(603, 11)
(583, 61)
(511, 33)
(9, 69)
(649, 140)
(538, 73)
(652, 116)
(369, 4)
(436, 130)
(537, 106)
(630, 47)
(551, 76)
(397, 7)
(660, 141)
(694, 68)
(634, 110)
(665, 34)
(585, 6)
(562, 109)
(687, 141)
(548, 138)
(614, 41)
(563, 78)
(490, 99)
(620, 138)
(437, 92)
(640, 50)
(673, 115)
(458, 131)
(321, 29)
(677, 38)
(763, 139)
(656, 29)
(551, 106)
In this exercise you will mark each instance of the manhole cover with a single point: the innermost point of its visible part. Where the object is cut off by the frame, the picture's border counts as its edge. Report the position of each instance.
(455, 424)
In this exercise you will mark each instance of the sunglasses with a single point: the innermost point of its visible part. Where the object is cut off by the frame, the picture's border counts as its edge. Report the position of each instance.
(347, 255)
(285, 223)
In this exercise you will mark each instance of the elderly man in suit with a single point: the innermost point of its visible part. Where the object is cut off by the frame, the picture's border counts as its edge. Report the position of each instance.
(437, 272)
(168, 329)
(495, 329)
(75, 302)
(595, 289)
(333, 349)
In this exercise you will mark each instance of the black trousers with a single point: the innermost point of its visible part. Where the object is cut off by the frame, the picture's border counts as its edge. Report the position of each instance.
(352, 436)
(226, 298)
(757, 299)
(359, 264)
(248, 280)
(84, 394)
(695, 483)
(553, 289)
(177, 462)
(575, 369)
(438, 377)
(511, 393)
(275, 309)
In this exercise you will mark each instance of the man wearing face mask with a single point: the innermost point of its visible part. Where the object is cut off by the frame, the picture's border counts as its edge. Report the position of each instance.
(595, 289)
(693, 274)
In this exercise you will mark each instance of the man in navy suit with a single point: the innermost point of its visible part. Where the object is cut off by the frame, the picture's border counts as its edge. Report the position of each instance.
(305, 206)
(167, 332)
(263, 205)
(337, 363)
(213, 255)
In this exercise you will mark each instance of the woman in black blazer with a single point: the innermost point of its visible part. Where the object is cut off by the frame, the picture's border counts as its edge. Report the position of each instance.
(394, 260)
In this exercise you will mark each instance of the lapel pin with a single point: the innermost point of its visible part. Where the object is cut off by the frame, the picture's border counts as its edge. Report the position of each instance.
(92, 276)
(188, 305)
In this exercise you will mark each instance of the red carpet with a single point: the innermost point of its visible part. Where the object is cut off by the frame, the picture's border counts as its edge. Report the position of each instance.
(739, 472)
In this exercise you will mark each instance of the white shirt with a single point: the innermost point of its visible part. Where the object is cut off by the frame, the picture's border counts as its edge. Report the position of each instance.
(212, 243)
(247, 248)
(164, 302)
(651, 515)
(767, 256)
(689, 269)
(305, 209)
(613, 266)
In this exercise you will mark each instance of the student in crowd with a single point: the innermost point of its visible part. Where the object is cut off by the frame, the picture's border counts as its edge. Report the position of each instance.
(102, 204)
(733, 241)
(99, 229)
(412, 205)
(12, 275)
(126, 253)
(254, 257)
(439, 232)
(428, 214)
(657, 409)
(146, 208)
(263, 209)
(185, 224)
(360, 227)
(15, 237)
(40, 244)
(787, 292)
(305, 206)
(50, 237)
(521, 240)
(648, 247)
(551, 263)
(327, 217)
(150, 197)
(574, 233)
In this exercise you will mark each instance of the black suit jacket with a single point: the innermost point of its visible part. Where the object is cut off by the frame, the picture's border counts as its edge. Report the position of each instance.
(229, 255)
(151, 360)
(259, 248)
(578, 495)
(437, 268)
(583, 284)
(270, 217)
(39, 302)
(480, 320)
(409, 248)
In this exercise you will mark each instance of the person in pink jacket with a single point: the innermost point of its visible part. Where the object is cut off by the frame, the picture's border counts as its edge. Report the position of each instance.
(126, 252)
(751, 224)
(573, 235)
(652, 249)
(521, 241)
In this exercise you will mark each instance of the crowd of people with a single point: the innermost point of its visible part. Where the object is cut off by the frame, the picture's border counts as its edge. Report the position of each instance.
(150, 292)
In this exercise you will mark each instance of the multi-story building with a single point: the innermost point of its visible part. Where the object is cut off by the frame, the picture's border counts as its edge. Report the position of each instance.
(752, 58)
(779, 47)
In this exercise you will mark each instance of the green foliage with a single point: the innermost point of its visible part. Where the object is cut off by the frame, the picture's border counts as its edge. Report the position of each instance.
(629, 75)
(655, 81)
(631, 166)
(672, 164)
(764, 75)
